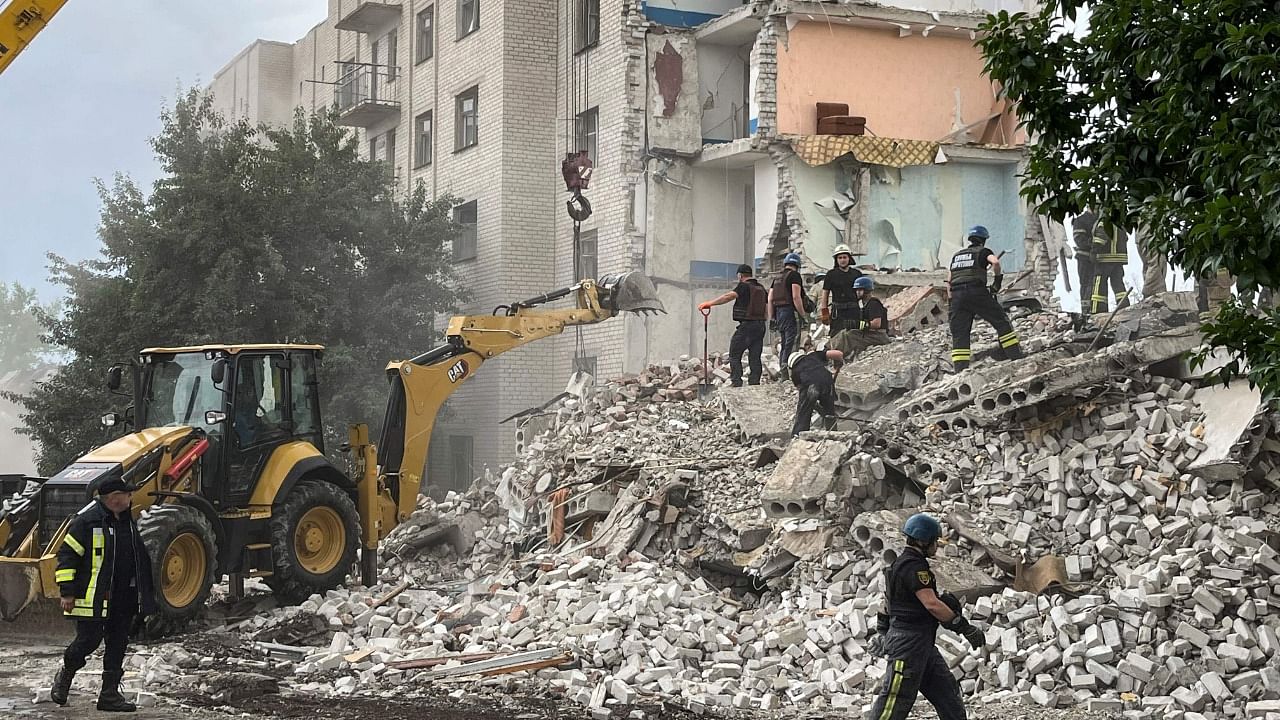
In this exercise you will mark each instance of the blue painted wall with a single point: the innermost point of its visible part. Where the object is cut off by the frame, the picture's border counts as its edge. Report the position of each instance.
(687, 13)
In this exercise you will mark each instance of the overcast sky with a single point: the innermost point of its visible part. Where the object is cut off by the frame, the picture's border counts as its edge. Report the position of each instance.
(82, 100)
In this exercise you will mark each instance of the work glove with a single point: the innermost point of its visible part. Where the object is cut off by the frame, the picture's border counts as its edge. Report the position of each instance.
(996, 283)
(960, 626)
(952, 602)
(875, 645)
(704, 307)
(773, 326)
(825, 315)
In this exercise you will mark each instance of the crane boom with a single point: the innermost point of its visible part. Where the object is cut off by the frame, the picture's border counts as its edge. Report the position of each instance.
(20, 22)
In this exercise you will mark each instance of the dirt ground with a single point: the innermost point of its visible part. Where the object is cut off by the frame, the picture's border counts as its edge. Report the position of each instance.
(28, 662)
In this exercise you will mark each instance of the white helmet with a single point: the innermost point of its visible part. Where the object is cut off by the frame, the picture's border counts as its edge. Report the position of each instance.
(795, 358)
(841, 249)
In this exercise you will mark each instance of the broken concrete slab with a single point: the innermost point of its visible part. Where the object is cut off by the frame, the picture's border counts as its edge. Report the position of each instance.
(1233, 430)
(806, 474)
(762, 413)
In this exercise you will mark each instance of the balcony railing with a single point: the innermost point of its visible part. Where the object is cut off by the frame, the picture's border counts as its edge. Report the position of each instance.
(365, 94)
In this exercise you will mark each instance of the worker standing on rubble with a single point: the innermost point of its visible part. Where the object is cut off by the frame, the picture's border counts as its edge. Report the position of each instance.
(969, 295)
(1082, 238)
(750, 310)
(817, 386)
(906, 633)
(786, 305)
(1110, 255)
(104, 577)
(871, 326)
(838, 305)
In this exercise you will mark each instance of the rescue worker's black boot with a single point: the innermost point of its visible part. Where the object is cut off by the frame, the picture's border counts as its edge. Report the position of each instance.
(61, 685)
(110, 699)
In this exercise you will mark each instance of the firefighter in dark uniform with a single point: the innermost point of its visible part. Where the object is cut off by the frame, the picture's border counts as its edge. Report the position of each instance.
(750, 310)
(816, 386)
(104, 577)
(905, 634)
(1082, 237)
(838, 306)
(1110, 255)
(970, 297)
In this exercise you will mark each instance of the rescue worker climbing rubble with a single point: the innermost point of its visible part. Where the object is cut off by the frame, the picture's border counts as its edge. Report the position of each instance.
(907, 630)
(786, 305)
(871, 325)
(1111, 254)
(750, 307)
(816, 386)
(970, 297)
(838, 305)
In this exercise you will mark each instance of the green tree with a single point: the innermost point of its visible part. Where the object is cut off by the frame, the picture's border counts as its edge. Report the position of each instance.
(253, 234)
(1166, 115)
(23, 345)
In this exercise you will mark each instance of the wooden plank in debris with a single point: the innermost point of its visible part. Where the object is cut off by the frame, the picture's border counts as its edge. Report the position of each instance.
(519, 661)
(419, 663)
(509, 669)
(391, 595)
(359, 655)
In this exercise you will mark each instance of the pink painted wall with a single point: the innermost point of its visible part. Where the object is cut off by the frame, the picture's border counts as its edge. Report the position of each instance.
(904, 86)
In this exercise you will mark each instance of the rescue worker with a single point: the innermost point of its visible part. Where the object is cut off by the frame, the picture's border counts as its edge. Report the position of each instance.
(817, 386)
(872, 324)
(906, 633)
(750, 309)
(1082, 238)
(104, 578)
(838, 304)
(786, 305)
(1110, 254)
(967, 290)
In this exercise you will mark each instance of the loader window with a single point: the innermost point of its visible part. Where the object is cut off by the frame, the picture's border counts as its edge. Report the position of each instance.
(259, 399)
(179, 391)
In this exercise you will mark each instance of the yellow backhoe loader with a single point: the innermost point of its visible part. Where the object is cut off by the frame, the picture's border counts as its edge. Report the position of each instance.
(230, 464)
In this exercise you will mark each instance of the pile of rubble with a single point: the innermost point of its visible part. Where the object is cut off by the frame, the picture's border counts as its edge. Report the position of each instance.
(1113, 531)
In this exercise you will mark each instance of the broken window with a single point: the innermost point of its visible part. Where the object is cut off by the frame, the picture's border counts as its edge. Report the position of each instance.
(467, 120)
(585, 255)
(382, 148)
(468, 17)
(464, 245)
(426, 34)
(422, 143)
(462, 460)
(586, 24)
(586, 131)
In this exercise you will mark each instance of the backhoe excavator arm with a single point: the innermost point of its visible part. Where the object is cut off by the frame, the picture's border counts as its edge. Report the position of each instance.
(20, 22)
(391, 474)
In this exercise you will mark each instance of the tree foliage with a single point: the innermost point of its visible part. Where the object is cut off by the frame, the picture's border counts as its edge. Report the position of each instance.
(21, 333)
(1166, 116)
(253, 234)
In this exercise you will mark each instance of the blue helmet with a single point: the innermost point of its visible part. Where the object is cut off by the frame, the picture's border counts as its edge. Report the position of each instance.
(864, 282)
(791, 259)
(922, 528)
(979, 233)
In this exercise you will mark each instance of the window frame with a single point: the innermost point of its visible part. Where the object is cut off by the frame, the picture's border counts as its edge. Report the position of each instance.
(420, 57)
(468, 239)
(423, 159)
(587, 238)
(460, 139)
(586, 25)
(588, 135)
(475, 18)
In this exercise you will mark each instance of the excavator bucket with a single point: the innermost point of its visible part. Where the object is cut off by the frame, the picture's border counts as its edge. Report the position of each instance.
(630, 292)
(19, 586)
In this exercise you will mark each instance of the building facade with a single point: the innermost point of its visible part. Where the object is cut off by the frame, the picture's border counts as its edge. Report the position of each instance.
(701, 120)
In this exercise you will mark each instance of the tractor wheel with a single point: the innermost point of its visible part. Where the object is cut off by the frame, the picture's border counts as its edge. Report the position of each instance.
(314, 533)
(184, 561)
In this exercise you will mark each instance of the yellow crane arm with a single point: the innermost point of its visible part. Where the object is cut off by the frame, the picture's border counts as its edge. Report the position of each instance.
(20, 22)
(390, 474)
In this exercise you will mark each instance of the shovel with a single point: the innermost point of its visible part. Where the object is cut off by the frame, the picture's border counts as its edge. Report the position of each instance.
(704, 388)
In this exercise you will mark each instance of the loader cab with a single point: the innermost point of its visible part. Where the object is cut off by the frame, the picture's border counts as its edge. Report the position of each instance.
(248, 399)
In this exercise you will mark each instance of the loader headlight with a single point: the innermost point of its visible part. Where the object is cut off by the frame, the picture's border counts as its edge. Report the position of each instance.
(110, 419)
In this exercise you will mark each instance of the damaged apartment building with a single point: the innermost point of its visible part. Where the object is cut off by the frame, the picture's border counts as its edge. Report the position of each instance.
(721, 132)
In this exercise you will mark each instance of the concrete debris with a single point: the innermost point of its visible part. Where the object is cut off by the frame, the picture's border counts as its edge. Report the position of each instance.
(1109, 568)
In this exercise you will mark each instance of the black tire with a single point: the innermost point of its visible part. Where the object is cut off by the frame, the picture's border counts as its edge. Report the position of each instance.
(188, 533)
(291, 579)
